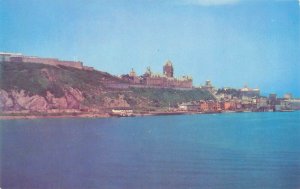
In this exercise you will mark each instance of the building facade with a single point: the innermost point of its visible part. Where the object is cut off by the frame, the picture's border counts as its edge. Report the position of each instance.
(210, 106)
(167, 80)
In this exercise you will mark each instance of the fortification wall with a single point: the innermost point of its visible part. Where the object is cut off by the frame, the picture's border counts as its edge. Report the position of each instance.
(71, 64)
(160, 87)
(49, 61)
(88, 68)
(172, 83)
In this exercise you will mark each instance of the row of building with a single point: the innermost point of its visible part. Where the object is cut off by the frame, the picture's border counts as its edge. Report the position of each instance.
(17, 57)
(256, 104)
(210, 106)
(244, 99)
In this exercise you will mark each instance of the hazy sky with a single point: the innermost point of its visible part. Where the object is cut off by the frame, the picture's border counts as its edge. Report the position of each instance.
(231, 42)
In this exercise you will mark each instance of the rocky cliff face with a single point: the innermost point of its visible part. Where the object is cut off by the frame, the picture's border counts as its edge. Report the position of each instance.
(14, 101)
(19, 100)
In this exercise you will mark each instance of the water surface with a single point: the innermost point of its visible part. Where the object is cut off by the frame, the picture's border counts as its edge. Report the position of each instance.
(234, 151)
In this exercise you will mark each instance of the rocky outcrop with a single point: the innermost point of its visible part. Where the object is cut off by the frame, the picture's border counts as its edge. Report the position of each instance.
(23, 101)
(56, 103)
(73, 98)
(5, 101)
(19, 100)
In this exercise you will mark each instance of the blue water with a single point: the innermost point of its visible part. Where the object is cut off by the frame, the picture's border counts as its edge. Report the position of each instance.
(234, 151)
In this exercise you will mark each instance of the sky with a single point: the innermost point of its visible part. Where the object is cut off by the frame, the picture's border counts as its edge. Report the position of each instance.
(230, 42)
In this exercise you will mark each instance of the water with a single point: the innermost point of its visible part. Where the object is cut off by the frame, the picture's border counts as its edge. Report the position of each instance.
(246, 150)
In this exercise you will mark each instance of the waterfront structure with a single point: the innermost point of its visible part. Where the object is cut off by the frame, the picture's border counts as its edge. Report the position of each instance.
(20, 58)
(263, 104)
(285, 105)
(122, 112)
(242, 104)
(289, 104)
(189, 106)
(210, 106)
(226, 105)
(295, 104)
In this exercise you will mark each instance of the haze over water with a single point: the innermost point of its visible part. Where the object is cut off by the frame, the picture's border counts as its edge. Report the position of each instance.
(247, 150)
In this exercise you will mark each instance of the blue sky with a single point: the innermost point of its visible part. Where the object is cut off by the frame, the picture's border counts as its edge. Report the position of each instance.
(231, 42)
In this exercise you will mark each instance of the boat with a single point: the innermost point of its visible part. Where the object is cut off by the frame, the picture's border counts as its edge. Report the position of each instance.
(122, 112)
(287, 110)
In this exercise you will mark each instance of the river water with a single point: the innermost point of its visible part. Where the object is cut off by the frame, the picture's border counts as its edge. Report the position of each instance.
(234, 151)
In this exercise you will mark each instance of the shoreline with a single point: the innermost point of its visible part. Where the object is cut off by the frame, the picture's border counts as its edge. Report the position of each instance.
(17, 117)
(107, 115)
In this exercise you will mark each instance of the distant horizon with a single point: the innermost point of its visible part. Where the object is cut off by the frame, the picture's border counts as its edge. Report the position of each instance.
(230, 42)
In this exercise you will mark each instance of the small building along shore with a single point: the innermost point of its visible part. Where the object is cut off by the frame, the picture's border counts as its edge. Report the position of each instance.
(122, 112)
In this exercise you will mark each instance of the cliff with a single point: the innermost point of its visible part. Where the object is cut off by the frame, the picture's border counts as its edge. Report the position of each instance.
(32, 87)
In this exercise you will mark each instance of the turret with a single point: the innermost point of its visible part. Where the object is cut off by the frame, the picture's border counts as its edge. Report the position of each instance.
(168, 69)
(132, 73)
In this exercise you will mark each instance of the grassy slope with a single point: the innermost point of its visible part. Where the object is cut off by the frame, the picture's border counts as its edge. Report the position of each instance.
(38, 78)
(164, 97)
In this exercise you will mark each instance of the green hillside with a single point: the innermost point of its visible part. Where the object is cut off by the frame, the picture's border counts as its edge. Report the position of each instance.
(36, 79)
(172, 97)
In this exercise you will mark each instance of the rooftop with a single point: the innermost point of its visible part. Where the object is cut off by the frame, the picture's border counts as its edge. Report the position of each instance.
(168, 63)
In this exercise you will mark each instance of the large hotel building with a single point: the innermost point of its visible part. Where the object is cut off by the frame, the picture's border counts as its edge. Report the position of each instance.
(166, 80)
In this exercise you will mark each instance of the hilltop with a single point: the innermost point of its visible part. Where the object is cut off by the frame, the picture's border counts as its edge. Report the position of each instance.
(33, 87)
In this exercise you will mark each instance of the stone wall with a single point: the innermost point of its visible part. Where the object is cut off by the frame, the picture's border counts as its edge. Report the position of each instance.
(7, 57)
(53, 62)
(166, 82)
